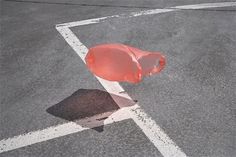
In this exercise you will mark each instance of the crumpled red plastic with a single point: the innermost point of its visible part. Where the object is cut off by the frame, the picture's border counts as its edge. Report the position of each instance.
(122, 63)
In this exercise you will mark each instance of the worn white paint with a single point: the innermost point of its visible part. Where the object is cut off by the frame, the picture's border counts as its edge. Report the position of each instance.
(155, 134)
(61, 130)
(205, 5)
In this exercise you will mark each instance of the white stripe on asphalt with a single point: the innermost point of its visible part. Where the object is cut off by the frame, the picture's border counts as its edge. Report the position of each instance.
(149, 127)
(101, 19)
(149, 12)
(206, 5)
(58, 131)
(156, 135)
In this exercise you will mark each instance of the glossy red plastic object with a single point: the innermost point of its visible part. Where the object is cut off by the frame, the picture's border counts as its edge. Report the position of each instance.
(122, 63)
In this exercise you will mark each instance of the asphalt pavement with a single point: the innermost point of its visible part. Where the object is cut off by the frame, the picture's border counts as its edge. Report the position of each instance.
(192, 100)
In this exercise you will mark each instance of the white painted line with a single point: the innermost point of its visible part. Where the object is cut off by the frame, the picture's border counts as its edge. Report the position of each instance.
(101, 19)
(148, 12)
(206, 5)
(156, 135)
(59, 131)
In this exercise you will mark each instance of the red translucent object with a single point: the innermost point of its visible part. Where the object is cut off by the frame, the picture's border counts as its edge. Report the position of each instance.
(118, 62)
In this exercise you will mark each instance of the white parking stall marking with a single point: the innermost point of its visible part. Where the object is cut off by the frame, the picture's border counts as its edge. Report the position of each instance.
(206, 5)
(57, 131)
(155, 134)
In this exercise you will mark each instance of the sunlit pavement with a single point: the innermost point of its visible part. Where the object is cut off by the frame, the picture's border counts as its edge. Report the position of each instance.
(192, 100)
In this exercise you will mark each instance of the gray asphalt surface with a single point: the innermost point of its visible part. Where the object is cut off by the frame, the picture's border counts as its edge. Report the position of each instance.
(193, 99)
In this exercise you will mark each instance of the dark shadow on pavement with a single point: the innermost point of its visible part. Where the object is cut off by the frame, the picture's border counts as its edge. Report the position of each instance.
(78, 4)
(88, 107)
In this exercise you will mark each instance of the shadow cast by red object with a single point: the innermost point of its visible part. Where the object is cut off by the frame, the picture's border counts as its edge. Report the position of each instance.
(88, 107)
